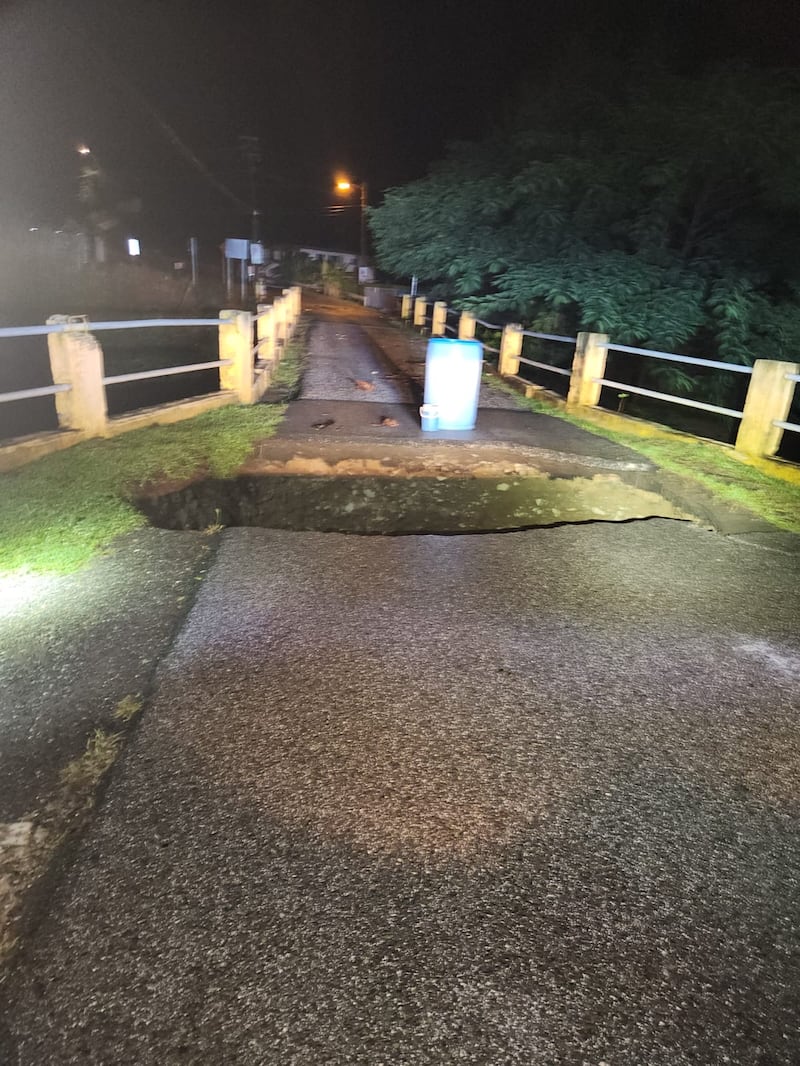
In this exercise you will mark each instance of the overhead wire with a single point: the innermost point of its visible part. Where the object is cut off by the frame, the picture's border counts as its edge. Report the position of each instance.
(117, 75)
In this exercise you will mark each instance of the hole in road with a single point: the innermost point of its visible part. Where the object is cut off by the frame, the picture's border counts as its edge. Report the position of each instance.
(401, 505)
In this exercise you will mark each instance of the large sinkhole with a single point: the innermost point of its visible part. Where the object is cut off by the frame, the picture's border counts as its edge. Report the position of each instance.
(400, 505)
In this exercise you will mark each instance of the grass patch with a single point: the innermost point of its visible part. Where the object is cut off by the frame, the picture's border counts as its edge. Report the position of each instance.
(289, 371)
(57, 512)
(776, 500)
(127, 708)
(85, 773)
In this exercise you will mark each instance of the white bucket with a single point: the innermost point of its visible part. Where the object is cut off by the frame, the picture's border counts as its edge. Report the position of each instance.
(429, 414)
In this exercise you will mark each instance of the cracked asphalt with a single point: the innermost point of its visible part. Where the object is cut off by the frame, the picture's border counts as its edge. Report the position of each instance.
(525, 798)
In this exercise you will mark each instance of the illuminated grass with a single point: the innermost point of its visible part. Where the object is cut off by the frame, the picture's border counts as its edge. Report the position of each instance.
(289, 371)
(59, 511)
(772, 498)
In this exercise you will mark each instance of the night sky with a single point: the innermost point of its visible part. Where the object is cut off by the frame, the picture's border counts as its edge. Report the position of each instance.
(162, 89)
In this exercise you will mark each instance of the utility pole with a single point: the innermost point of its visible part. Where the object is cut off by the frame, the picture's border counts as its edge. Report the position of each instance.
(250, 148)
(363, 228)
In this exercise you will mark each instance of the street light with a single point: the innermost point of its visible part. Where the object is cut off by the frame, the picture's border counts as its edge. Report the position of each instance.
(345, 185)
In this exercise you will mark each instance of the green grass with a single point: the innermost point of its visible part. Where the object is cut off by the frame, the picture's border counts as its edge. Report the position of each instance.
(85, 773)
(776, 500)
(711, 465)
(56, 513)
(289, 371)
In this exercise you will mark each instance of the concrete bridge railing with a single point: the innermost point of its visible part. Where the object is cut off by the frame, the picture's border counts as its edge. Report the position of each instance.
(762, 419)
(250, 348)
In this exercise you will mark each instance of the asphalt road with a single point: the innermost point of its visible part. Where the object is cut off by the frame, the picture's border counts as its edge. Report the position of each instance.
(507, 799)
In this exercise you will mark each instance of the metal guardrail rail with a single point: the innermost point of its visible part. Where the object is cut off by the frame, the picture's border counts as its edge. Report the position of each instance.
(736, 368)
(549, 337)
(165, 372)
(31, 394)
(682, 400)
(81, 325)
(84, 326)
(545, 366)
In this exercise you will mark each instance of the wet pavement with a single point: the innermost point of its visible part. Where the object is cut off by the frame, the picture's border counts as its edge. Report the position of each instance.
(521, 798)
(527, 798)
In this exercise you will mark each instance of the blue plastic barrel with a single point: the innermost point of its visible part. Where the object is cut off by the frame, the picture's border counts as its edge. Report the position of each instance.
(453, 380)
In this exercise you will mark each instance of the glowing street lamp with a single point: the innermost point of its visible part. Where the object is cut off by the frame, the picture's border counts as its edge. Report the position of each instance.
(344, 185)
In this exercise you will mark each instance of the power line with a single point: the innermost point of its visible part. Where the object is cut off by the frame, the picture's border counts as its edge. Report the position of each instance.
(169, 132)
(127, 85)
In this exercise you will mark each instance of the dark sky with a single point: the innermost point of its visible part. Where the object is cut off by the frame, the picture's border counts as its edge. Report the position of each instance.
(373, 88)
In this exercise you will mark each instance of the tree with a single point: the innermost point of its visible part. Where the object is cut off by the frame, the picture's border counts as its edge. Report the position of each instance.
(666, 215)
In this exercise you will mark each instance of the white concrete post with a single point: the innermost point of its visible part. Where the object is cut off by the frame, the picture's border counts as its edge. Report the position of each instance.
(510, 350)
(236, 344)
(588, 363)
(769, 397)
(439, 321)
(466, 326)
(405, 307)
(76, 359)
(420, 310)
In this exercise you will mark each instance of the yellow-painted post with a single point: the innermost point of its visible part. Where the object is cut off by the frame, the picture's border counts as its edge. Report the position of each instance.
(236, 344)
(420, 310)
(279, 311)
(768, 400)
(405, 307)
(588, 363)
(510, 350)
(292, 311)
(76, 359)
(439, 320)
(265, 333)
(466, 326)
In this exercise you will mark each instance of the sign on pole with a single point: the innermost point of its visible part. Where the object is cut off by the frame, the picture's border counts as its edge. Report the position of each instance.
(237, 248)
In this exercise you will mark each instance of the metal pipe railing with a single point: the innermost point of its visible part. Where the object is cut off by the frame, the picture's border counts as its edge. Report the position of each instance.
(30, 394)
(549, 337)
(546, 366)
(165, 372)
(94, 327)
(668, 398)
(736, 368)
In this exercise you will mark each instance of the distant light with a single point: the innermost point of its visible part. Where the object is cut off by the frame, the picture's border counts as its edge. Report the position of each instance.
(84, 149)
(33, 229)
(344, 186)
(133, 246)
